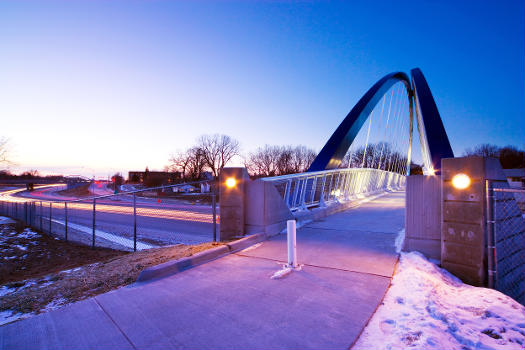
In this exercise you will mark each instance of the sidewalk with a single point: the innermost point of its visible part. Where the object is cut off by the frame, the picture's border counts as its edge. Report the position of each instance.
(231, 302)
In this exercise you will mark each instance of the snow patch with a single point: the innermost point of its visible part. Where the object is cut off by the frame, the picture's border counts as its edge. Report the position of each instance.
(28, 234)
(4, 290)
(5, 220)
(281, 273)
(400, 239)
(8, 316)
(426, 307)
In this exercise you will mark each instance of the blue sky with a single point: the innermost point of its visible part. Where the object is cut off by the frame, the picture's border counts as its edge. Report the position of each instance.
(103, 86)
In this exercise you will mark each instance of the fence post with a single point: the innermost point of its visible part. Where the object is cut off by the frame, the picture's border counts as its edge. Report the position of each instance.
(41, 214)
(134, 222)
(94, 207)
(25, 213)
(50, 216)
(287, 192)
(16, 210)
(65, 210)
(490, 234)
(321, 195)
(214, 205)
(302, 196)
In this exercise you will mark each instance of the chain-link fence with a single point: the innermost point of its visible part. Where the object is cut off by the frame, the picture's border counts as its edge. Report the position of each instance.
(506, 236)
(132, 220)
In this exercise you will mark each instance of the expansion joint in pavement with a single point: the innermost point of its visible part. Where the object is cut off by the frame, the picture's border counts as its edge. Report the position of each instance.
(337, 229)
(317, 266)
(115, 323)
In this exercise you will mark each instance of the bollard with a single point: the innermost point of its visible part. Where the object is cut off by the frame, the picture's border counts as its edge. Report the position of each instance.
(292, 249)
(214, 208)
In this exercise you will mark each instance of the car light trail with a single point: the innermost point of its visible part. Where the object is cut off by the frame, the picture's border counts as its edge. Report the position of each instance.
(159, 213)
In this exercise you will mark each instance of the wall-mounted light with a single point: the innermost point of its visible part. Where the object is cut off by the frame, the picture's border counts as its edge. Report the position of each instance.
(461, 181)
(231, 182)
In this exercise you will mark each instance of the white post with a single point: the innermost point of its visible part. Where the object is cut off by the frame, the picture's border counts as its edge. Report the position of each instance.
(292, 250)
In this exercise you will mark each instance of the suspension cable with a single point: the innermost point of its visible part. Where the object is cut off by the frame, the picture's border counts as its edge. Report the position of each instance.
(387, 120)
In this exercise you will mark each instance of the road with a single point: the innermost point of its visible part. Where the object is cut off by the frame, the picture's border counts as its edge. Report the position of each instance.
(159, 221)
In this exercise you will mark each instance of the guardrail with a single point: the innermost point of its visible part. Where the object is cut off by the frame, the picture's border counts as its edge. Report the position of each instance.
(305, 190)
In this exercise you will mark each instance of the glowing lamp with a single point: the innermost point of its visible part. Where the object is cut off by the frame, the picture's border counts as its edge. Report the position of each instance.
(231, 182)
(461, 181)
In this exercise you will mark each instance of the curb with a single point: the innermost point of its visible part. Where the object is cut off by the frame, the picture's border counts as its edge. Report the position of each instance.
(175, 266)
(245, 242)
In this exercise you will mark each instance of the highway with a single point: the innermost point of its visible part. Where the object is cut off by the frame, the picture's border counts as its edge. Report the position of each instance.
(159, 221)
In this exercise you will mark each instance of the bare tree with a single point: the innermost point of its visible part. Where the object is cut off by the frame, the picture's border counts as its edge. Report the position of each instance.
(4, 151)
(263, 161)
(483, 150)
(179, 161)
(217, 150)
(302, 158)
(196, 163)
(284, 159)
(509, 156)
(280, 160)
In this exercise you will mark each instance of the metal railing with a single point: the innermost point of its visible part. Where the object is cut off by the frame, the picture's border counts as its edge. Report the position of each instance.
(132, 220)
(305, 190)
(506, 240)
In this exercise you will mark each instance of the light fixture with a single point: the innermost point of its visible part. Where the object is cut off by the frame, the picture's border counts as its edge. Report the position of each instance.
(461, 181)
(231, 182)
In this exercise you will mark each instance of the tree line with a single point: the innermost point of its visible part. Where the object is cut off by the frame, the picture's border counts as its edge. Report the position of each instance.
(380, 155)
(510, 157)
(213, 152)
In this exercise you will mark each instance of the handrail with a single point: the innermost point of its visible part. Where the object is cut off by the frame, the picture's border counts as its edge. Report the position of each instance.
(317, 188)
(511, 190)
(316, 173)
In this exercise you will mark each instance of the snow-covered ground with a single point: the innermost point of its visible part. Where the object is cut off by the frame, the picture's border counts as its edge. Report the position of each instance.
(426, 307)
(7, 316)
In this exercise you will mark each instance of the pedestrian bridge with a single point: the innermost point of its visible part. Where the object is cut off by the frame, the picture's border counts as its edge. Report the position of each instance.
(370, 152)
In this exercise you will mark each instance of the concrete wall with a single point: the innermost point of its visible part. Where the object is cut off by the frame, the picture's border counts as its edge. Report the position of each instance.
(423, 215)
(464, 236)
(266, 211)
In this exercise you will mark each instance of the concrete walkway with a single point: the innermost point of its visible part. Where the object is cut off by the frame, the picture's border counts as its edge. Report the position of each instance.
(231, 302)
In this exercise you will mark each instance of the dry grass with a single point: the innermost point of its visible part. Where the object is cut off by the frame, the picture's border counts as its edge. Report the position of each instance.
(80, 191)
(42, 255)
(108, 273)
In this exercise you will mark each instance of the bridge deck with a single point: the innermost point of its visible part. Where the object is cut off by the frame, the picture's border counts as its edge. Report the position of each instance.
(232, 302)
(360, 239)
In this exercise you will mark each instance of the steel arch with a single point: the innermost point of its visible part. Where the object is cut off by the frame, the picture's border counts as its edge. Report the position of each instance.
(434, 146)
(335, 149)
